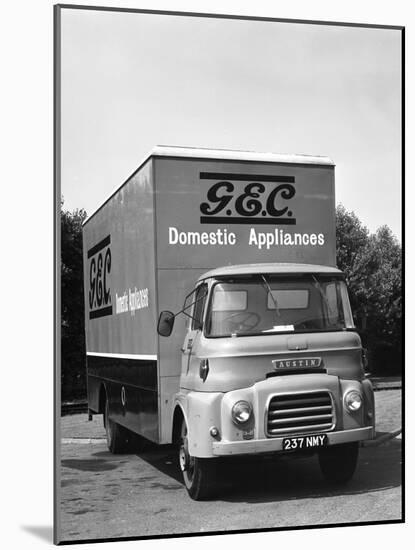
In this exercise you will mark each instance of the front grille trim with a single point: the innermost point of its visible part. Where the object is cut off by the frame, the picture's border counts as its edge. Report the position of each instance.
(300, 419)
(294, 411)
(306, 430)
(279, 422)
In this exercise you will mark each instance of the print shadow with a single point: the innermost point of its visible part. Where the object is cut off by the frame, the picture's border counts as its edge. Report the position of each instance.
(43, 532)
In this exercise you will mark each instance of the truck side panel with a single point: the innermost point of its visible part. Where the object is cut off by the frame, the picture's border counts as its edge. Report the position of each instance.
(121, 306)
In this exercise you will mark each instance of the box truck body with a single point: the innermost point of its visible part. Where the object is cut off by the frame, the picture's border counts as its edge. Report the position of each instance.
(194, 219)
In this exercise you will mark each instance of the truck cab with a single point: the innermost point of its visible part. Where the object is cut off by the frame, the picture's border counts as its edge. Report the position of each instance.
(271, 362)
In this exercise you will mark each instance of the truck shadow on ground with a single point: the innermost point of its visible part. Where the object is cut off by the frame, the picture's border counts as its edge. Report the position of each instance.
(283, 478)
(272, 478)
(91, 465)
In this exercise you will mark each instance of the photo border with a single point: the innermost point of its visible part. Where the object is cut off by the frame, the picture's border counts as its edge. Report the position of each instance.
(57, 10)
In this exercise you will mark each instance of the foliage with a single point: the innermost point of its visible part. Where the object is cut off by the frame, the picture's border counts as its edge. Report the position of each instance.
(373, 268)
(73, 369)
(352, 240)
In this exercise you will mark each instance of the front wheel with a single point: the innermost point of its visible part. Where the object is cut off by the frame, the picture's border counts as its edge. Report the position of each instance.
(338, 463)
(199, 474)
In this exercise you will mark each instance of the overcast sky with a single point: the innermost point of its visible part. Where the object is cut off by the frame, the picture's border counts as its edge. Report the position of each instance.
(132, 81)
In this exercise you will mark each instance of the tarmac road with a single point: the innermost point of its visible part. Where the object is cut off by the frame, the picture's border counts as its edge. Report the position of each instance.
(106, 496)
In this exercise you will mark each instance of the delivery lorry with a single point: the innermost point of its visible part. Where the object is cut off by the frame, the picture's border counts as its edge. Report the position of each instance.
(216, 318)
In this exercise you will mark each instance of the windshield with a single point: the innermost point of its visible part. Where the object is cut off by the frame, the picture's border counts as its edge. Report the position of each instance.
(266, 304)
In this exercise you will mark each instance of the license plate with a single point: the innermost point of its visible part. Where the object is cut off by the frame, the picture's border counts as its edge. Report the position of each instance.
(305, 442)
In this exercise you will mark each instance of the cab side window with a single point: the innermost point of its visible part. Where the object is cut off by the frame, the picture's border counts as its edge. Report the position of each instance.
(200, 299)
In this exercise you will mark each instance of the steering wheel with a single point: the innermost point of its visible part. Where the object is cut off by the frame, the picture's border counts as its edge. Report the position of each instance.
(248, 320)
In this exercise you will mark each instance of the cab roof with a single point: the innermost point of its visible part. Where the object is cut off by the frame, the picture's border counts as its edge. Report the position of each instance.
(258, 269)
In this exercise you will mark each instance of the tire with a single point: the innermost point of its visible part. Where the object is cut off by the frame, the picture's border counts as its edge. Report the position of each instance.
(118, 438)
(199, 474)
(338, 463)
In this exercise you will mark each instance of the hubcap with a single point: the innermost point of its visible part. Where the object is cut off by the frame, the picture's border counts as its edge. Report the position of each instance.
(186, 462)
(108, 426)
(183, 459)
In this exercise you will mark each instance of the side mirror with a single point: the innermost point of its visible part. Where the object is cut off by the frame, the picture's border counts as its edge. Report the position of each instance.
(165, 324)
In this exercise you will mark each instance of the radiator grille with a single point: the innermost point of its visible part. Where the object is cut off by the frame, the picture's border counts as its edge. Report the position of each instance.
(300, 413)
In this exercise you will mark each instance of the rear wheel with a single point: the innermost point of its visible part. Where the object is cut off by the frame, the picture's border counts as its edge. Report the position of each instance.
(338, 463)
(118, 437)
(199, 474)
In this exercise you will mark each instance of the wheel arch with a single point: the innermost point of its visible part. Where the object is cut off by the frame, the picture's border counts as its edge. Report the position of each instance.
(178, 417)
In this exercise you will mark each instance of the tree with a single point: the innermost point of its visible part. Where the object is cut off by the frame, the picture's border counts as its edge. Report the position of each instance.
(73, 375)
(384, 286)
(373, 268)
(352, 240)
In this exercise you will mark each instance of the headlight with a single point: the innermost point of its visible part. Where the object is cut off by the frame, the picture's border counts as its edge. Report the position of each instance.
(353, 400)
(241, 412)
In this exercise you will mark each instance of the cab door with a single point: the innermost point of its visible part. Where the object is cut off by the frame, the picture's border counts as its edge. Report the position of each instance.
(198, 298)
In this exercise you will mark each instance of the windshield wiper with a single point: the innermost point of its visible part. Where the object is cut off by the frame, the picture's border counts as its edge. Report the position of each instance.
(277, 311)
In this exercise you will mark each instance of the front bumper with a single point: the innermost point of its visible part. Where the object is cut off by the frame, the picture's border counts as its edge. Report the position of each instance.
(269, 445)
